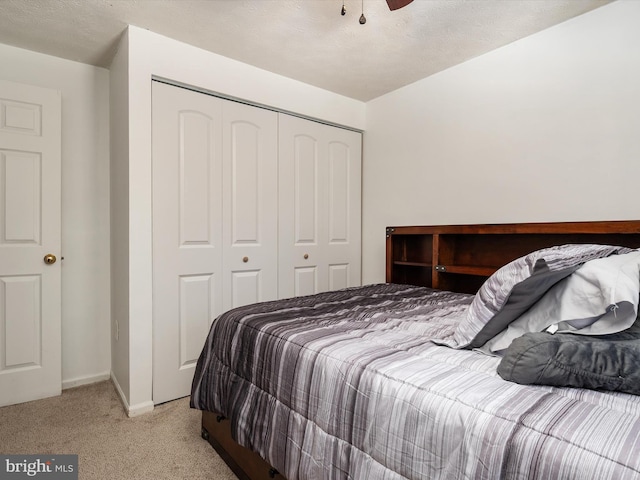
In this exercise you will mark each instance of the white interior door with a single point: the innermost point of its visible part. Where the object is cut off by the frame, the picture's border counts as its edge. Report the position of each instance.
(319, 207)
(187, 232)
(30, 229)
(250, 200)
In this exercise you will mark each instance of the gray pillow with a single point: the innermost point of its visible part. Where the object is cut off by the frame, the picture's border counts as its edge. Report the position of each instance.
(520, 299)
(599, 298)
(511, 290)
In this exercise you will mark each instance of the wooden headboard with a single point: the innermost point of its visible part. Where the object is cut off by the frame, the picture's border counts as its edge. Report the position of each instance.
(461, 257)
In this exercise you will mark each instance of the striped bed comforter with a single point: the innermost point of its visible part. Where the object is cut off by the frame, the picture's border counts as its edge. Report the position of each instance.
(346, 384)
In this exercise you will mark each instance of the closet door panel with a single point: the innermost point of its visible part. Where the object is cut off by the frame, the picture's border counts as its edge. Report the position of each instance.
(305, 184)
(306, 280)
(339, 276)
(197, 304)
(187, 233)
(302, 174)
(195, 183)
(244, 157)
(306, 174)
(339, 193)
(246, 287)
(319, 207)
(343, 247)
(250, 216)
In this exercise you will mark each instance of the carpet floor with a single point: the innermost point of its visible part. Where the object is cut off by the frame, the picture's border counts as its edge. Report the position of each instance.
(90, 421)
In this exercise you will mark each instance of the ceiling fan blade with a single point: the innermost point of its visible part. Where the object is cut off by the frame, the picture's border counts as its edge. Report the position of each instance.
(396, 4)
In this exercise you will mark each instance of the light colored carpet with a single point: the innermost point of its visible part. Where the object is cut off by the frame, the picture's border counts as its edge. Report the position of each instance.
(90, 421)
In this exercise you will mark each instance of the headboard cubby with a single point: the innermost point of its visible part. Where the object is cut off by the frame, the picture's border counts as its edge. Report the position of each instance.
(461, 257)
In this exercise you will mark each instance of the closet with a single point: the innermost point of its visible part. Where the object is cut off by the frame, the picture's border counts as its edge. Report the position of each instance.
(249, 205)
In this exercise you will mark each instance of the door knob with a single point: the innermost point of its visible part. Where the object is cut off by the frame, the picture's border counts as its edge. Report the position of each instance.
(49, 259)
(245, 259)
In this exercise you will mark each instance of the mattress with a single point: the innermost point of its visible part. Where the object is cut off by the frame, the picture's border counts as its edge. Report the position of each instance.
(349, 384)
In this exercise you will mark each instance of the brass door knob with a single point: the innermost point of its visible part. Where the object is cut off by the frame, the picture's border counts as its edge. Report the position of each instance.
(306, 255)
(245, 259)
(49, 259)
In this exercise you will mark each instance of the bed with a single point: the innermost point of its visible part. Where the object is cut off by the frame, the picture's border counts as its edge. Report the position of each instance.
(394, 380)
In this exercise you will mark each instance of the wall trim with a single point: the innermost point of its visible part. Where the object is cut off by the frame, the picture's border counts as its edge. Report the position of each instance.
(193, 88)
(85, 380)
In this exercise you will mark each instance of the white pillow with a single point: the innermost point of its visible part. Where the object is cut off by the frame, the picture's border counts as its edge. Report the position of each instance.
(599, 298)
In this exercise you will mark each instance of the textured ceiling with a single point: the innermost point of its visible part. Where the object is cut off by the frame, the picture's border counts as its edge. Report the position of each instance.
(303, 39)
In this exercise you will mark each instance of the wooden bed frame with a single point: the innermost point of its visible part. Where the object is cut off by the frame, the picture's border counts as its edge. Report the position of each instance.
(449, 257)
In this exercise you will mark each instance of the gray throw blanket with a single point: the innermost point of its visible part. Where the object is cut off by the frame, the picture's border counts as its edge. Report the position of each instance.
(607, 362)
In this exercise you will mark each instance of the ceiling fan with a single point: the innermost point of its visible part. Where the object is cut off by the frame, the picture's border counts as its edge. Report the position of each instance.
(393, 5)
(396, 4)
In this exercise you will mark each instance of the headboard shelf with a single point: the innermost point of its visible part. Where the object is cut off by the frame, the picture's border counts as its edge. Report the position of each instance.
(466, 269)
(461, 257)
(412, 264)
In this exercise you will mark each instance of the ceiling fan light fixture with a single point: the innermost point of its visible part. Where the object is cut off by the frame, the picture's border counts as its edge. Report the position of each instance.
(392, 4)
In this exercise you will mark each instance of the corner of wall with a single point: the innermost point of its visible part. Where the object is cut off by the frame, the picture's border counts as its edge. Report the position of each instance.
(131, 410)
(119, 200)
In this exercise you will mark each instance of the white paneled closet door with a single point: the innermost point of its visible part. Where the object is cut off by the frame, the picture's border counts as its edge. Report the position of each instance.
(187, 232)
(250, 199)
(215, 222)
(319, 207)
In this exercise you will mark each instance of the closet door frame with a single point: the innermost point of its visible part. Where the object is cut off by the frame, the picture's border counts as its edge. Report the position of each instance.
(241, 240)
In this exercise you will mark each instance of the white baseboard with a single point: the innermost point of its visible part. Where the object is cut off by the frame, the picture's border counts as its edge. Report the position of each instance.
(123, 399)
(140, 408)
(79, 381)
(131, 410)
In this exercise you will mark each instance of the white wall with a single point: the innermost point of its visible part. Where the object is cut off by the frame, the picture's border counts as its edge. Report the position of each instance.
(152, 54)
(544, 129)
(85, 205)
